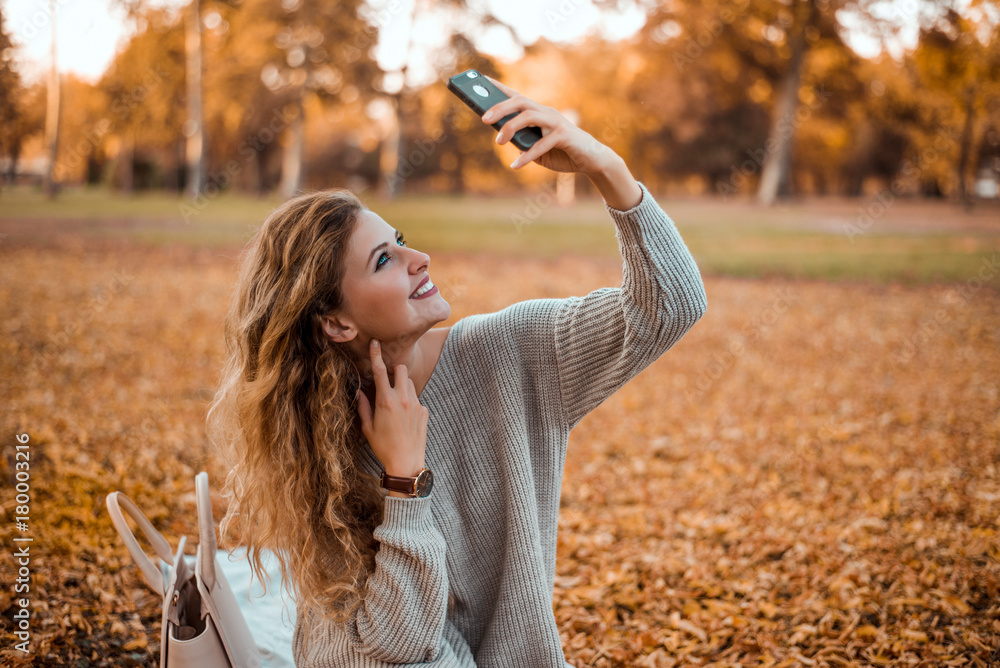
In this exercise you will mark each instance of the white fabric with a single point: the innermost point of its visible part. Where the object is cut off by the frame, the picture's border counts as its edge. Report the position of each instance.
(270, 616)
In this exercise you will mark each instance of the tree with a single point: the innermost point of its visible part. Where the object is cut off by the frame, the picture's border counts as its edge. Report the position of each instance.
(11, 114)
(194, 126)
(727, 75)
(957, 62)
(775, 179)
(52, 111)
(276, 59)
(145, 97)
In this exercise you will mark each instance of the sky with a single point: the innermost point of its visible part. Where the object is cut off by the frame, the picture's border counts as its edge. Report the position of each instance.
(91, 31)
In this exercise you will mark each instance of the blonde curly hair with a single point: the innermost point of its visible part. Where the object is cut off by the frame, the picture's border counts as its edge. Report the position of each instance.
(284, 416)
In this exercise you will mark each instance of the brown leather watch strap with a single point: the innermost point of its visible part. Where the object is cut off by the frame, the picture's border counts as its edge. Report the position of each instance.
(399, 484)
(419, 485)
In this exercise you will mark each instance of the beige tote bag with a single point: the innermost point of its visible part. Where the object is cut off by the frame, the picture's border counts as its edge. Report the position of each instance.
(202, 624)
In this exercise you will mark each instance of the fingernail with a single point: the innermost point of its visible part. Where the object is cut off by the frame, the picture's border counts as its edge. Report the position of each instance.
(375, 343)
(488, 116)
(498, 139)
(513, 165)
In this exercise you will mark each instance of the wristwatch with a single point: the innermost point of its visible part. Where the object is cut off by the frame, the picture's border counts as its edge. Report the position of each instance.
(419, 485)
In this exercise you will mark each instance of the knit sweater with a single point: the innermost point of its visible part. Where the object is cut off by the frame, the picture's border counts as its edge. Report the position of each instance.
(464, 577)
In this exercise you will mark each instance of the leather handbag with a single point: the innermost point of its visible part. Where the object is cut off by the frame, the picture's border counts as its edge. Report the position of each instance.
(202, 624)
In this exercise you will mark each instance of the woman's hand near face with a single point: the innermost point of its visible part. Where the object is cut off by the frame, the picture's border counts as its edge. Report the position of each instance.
(396, 428)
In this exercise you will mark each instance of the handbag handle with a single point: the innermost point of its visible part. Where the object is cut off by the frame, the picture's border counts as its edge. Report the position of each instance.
(153, 576)
(206, 531)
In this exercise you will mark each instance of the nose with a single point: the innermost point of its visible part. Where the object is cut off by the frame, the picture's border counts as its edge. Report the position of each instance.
(418, 261)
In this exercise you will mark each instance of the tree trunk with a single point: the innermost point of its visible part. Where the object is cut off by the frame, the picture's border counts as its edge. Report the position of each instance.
(126, 161)
(292, 156)
(775, 178)
(401, 170)
(458, 180)
(965, 149)
(388, 159)
(15, 155)
(400, 132)
(195, 130)
(52, 112)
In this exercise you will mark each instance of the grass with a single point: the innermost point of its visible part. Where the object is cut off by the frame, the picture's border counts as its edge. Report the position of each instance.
(913, 242)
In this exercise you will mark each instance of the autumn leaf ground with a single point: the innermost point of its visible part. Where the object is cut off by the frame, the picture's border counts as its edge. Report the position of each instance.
(810, 477)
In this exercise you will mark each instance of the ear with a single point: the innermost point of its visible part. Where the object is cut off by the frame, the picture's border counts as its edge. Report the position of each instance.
(338, 330)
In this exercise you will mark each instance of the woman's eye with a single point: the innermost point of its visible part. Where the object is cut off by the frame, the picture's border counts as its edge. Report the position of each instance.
(400, 241)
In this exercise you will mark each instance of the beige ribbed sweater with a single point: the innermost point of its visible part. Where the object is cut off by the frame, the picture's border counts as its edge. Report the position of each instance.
(464, 577)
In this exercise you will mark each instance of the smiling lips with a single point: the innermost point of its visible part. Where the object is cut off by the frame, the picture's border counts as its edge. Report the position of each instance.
(425, 289)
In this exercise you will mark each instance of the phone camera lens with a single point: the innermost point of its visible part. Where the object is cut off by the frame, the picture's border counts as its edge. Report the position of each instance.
(472, 75)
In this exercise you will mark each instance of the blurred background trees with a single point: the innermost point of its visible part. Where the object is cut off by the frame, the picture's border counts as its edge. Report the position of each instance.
(11, 101)
(757, 98)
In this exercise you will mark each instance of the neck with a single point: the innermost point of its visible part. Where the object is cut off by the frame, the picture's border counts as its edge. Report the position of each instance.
(409, 353)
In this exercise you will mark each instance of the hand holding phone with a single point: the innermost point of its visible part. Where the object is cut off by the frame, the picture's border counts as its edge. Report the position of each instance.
(546, 136)
(480, 94)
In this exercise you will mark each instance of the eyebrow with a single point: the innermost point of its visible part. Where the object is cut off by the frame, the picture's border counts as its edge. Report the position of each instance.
(382, 245)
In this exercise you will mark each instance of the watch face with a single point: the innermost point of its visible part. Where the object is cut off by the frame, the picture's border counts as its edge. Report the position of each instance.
(425, 482)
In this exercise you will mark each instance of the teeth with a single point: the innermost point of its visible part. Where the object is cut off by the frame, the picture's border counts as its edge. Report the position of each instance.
(424, 288)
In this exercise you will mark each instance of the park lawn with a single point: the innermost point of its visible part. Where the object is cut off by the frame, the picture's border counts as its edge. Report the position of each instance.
(808, 477)
(814, 239)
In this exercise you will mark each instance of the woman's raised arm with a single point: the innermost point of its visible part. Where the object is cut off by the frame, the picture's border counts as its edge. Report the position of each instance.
(607, 337)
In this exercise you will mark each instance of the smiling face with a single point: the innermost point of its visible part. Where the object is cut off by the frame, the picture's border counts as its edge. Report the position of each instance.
(385, 287)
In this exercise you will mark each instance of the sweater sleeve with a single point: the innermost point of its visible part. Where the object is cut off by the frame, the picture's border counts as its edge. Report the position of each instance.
(402, 617)
(608, 336)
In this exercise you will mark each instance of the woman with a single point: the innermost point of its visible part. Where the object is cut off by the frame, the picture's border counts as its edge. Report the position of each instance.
(339, 394)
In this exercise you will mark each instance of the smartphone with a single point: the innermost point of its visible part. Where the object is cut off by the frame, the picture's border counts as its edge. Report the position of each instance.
(479, 94)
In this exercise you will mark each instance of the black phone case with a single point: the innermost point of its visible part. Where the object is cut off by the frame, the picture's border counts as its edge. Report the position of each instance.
(464, 86)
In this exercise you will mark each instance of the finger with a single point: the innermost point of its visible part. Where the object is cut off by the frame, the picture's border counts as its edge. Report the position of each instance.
(399, 376)
(539, 148)
(424, 415)
(505, 108)
(506, 89)
(527, 118)
(517, 103)
(382, 385)
(365, 411)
